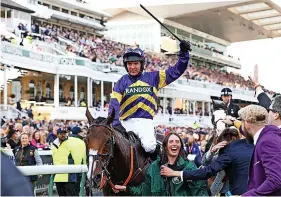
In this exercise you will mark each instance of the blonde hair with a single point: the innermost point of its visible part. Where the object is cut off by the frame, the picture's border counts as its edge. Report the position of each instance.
(254, 114)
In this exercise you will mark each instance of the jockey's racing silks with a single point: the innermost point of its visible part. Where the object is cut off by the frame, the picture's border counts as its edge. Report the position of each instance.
(137, 97)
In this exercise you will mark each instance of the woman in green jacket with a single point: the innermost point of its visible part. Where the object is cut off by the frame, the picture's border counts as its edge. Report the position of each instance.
(172, 156)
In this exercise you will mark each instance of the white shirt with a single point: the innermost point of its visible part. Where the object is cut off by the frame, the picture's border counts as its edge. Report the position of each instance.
(259, 90)
(279, 126)
(256, 136)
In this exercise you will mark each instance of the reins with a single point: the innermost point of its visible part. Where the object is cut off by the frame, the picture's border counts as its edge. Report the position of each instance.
(106, 176)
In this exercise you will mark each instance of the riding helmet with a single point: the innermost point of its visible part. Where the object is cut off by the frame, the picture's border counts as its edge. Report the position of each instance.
(134, 55)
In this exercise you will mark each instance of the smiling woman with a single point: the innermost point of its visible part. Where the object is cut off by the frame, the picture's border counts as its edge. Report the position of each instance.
(172, 155)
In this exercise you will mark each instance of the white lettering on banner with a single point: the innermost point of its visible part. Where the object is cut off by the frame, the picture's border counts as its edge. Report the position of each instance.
(14, 50)
(67, 61)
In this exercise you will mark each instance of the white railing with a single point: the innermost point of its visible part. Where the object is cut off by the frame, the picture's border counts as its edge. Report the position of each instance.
(11, 112)
(52, 169)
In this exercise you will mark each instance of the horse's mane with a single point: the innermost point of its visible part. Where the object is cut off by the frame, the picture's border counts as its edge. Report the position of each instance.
(100, 120)
(218, 105)
(103, 121)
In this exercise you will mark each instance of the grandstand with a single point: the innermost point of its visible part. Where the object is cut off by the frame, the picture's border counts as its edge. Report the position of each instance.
(58, 54)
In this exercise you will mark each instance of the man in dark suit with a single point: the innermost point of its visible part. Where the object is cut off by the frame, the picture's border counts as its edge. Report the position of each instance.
(262, 97)
(232, 109)
(234, 159)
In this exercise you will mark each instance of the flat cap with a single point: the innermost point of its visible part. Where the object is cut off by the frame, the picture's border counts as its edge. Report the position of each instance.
(254, 114)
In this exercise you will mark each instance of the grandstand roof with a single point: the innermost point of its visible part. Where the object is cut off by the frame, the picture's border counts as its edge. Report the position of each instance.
(230, 20)
(14, 5)
(84, 7)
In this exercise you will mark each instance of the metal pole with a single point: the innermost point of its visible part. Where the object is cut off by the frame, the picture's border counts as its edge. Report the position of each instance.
(102, 95)
(203, 108)
(82, 184)
(57, 90)
(5, 87)
(75, 91)
(51, 185)
(88, 92)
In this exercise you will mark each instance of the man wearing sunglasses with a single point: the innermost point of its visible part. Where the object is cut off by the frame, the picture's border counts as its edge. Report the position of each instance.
(274, 115)
(134, 96)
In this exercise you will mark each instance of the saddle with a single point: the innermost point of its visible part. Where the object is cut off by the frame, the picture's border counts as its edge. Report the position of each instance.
(132, 137)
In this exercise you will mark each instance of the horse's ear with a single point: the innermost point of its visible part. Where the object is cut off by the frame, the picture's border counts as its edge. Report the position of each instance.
(89, 116)
(110, 118)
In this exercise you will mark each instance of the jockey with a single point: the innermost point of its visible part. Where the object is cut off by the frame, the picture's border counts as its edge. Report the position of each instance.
(134, 96)
(226, 96)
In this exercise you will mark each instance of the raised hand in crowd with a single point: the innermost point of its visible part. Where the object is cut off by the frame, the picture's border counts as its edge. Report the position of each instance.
(229, 120)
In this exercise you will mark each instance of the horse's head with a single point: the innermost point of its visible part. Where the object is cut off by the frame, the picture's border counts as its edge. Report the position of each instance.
(100, 141)
(218, 115)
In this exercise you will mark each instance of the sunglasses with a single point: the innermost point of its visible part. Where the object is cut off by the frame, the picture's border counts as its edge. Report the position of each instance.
(270, 109)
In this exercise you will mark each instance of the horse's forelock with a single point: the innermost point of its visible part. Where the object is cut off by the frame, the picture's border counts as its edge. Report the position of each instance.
(219, 114)
(97, 136)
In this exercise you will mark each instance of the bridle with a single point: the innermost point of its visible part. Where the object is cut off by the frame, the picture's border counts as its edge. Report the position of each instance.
(216, 122)
(109, 155)
(106, 176)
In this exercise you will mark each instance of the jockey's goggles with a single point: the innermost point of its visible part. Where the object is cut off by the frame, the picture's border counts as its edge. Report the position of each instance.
(133, 51)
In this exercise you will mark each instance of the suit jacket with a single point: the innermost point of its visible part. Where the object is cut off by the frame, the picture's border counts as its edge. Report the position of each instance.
(13, 178)
(233, 109)
(264, 100)
(234, 159)
(265, 167)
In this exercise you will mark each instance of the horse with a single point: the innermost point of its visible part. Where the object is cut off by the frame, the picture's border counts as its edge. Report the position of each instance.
(122, 159)
(218, 116)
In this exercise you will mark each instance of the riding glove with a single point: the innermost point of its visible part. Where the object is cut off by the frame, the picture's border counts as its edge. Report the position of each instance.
(184, 46)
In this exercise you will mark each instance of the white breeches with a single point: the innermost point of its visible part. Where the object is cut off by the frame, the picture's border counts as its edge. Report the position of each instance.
(144, 129)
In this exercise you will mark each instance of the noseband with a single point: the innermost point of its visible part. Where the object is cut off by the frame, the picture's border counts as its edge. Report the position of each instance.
(106, 177)
(216, 122)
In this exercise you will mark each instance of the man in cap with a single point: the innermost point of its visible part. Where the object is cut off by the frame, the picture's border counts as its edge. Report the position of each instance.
(77, 132)
(67, 151)
(274, 116)
(226, 96)
(265, 166)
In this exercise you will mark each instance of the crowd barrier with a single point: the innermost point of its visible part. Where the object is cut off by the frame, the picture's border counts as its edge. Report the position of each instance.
(52, 170)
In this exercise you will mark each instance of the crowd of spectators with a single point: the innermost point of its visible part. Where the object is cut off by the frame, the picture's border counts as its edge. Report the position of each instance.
(101, 50)
(41, 132)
